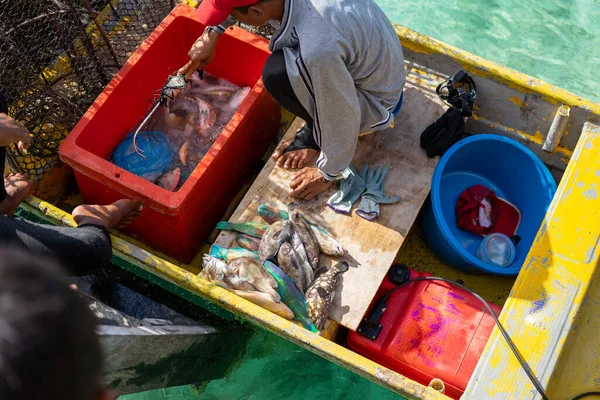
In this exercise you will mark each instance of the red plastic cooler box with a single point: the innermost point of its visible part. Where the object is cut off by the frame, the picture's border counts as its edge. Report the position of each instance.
(175, 223)
(430, 330)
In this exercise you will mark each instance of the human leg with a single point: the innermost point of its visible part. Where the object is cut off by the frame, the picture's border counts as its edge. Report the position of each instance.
(296, 152)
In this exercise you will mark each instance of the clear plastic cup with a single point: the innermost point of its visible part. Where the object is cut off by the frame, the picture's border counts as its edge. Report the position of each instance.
(496, 249)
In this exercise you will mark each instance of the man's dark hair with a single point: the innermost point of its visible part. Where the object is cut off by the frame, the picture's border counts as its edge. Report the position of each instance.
(244, 9)
(48, 345)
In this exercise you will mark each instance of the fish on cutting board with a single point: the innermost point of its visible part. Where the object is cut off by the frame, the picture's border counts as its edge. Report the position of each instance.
(302, 229)
(276, 234)
(289, 263)
(321, 292)
(300, 256)
(238, 279)
(250, 228)
(247, 242)
(291, 296)
(271, 214)
(327, 244)
(263, 300)
(232, 253)
(240, 274)
(252, 271)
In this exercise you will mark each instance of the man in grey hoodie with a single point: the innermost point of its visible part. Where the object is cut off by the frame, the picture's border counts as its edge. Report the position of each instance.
(337, 64)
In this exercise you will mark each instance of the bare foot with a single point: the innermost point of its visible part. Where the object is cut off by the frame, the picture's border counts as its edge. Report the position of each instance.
(18, 187)
(116, 215)
(293, 159)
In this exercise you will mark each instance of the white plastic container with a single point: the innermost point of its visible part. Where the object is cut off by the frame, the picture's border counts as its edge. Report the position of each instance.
(496, 249)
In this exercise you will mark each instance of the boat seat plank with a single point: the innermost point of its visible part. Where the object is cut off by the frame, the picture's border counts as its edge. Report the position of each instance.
(373, 245)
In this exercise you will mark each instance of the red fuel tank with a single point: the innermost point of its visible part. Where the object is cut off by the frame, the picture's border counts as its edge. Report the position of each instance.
(430, 329)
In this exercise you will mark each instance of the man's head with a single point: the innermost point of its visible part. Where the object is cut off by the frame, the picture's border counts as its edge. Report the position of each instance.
(249, 12)
(48, 345)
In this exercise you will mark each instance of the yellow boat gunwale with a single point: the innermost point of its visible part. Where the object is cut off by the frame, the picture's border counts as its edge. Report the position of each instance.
(479, 66)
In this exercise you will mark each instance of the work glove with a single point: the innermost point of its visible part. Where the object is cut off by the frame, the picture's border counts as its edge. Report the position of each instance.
(352, 186)
(373, 195)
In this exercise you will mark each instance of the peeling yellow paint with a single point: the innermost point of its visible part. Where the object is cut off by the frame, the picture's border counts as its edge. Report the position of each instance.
(420, 71)
(537, 138)
(516, 100)
(576, 375)
(564, 150)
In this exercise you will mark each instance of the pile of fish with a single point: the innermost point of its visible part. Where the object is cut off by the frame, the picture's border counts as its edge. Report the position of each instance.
(277, 265)
(193, 120)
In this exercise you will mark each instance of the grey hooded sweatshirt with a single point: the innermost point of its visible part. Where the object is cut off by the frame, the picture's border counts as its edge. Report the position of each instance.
(345, 63)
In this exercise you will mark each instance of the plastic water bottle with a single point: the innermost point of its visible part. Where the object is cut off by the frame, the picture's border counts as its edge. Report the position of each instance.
(496, 249)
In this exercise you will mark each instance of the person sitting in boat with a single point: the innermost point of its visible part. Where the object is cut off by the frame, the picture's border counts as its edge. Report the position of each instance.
(83, 249)
(49, 348)
(336, 64)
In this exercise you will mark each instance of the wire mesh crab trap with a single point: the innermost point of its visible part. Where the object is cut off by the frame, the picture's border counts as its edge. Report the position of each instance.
(56, 57)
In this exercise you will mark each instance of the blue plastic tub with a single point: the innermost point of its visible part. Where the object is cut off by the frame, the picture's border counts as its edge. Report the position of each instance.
(506, 167)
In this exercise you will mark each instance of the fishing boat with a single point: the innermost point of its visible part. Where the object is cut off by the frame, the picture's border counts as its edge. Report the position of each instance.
(559, 343)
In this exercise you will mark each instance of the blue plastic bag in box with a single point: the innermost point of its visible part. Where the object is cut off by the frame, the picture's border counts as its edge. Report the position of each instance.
(154, 146)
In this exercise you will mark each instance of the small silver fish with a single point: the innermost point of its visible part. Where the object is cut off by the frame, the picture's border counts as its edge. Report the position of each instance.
(321, 292)
(327, 244)
(301, 257)
(275, 235)
(289, 264)
(311, 245)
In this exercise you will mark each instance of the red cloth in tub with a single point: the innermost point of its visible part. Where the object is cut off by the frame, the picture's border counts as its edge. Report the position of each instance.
(479, 211)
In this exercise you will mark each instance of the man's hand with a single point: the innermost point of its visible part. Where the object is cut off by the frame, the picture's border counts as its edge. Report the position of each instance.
(201, 54)
(18, 187)
(308, 183)
(12, 131)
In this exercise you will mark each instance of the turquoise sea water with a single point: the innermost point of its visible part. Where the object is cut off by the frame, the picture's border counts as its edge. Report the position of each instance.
(557, 41)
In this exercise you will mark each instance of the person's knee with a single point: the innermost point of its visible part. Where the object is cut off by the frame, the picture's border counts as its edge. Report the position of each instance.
(274, 74)
(97, 246)
(103, 248)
